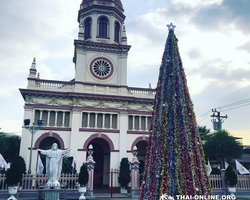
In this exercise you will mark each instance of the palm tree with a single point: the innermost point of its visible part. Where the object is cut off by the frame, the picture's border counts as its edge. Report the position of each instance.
(222, 146)
(204, 133)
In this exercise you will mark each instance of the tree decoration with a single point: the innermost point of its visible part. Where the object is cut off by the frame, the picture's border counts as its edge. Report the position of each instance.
(175, 161)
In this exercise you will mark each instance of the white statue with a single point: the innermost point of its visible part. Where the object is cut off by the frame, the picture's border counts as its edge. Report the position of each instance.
(53, 164)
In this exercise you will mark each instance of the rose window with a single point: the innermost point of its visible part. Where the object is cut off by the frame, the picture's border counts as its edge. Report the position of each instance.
(101, 68)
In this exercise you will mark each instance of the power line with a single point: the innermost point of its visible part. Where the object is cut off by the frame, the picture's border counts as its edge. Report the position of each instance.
(237, 107)
(235, 103)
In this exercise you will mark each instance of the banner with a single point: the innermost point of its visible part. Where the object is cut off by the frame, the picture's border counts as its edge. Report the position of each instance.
(241, 169)
(3, 162)
(209, 168)
(39, 166)
(73, 162)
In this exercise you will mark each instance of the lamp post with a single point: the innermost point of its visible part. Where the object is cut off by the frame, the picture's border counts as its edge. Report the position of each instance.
(135, 152)
(135, 176)
(90, 166)
(32, 129)
(90, 150)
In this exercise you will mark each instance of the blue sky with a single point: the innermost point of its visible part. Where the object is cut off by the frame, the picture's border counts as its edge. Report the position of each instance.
(214, 44)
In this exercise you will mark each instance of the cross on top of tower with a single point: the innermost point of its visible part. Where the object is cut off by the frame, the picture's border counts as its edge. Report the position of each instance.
(171, 26)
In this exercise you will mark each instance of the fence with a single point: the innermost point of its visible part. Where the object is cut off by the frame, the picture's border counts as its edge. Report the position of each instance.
(243, 182)
(32, 182)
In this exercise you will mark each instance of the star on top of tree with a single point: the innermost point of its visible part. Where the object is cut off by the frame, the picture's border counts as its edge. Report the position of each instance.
(171, 26)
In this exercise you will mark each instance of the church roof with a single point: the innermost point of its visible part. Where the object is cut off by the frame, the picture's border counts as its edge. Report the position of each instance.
(118, 2)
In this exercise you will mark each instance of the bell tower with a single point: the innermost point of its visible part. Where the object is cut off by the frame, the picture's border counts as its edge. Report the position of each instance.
(101, 49)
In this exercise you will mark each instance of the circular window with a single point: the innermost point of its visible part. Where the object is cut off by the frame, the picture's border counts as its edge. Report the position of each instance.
(101, 68)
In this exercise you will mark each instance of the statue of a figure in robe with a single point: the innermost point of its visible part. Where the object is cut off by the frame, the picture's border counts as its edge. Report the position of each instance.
(53, 164)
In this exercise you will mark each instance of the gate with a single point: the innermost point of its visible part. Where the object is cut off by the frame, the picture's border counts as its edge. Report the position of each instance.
(113, 189)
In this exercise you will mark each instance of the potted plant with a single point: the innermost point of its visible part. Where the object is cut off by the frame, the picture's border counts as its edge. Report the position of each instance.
(83, 180)
(231, 179)
(124, 175)
(14, 175)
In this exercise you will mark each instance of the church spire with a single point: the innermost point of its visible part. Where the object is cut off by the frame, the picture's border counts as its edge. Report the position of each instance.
(33, 71)
(124, 35)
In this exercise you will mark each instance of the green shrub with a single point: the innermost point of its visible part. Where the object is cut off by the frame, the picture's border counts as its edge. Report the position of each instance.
(231, 176)
(15, 173)
(83, 175)
(124, 176)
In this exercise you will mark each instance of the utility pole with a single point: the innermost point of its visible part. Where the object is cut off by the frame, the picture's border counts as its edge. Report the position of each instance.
(217, 119)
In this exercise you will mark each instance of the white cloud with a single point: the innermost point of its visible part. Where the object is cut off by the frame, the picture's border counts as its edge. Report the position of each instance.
(196, 3)
(213, 47)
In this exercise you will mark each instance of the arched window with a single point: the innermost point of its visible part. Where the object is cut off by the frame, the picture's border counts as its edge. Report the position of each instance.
(87, 30)
(117, 32)
(103, 27)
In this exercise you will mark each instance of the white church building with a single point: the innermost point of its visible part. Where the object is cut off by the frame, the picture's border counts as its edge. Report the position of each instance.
(97, 106)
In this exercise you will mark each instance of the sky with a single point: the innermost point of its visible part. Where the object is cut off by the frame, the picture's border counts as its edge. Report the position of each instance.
(214, 44)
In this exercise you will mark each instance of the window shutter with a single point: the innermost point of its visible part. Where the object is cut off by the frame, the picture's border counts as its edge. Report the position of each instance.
(84, 119)
(99, 120)
(114, 121)
(143, 123)
(37, 115)
(130, 122)
(52, 118)
(45, 117)
(67, 119)
(136, 122)
(59, 118)
(92, 120)
(107, 120)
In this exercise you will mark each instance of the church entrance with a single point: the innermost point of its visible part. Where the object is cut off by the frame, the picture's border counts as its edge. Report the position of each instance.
(101, 157)
(142, 149)
(46, 144)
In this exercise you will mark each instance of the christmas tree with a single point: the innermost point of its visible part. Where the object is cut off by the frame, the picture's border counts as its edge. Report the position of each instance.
(175, 161)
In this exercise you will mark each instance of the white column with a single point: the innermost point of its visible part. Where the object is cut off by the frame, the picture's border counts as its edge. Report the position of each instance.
(123, 121)
(56, 113)
(88, 120)
(96, 120)
(103, 120)
(133, 122)
(74, 140)
(41, 115)
(111, 117)
(146, 123)
(48, 118)
(63, 119)
(26, 138)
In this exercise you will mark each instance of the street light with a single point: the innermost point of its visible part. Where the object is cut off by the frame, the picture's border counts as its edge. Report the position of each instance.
(32, 130)
(90, 150)
(135, 152)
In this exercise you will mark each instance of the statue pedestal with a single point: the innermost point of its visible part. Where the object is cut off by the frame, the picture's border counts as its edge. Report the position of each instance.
(52, 193)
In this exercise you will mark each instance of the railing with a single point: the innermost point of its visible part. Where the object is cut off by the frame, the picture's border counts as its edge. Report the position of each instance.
(141, 91)
(49, 84)
(243, 182)
(32, 182)
(69, 86)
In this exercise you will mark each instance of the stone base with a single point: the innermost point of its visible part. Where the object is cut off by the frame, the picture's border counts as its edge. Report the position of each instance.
(52, 192)
(52, 195)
